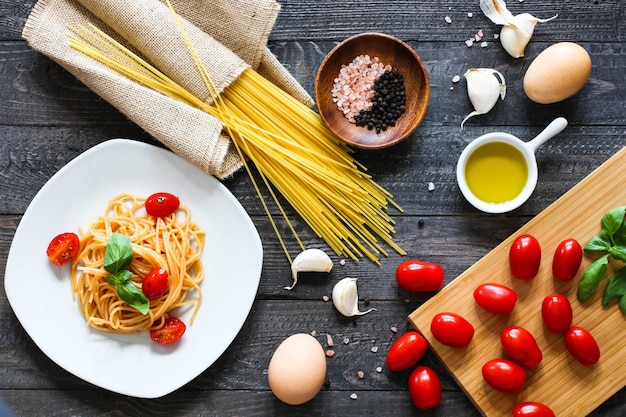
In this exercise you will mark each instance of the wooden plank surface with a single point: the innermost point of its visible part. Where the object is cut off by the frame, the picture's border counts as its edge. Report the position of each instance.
(560, 382)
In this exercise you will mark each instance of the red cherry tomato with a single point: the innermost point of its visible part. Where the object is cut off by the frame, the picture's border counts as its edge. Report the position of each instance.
(582, 346)
(556, 312)
(504, 375)
(452, 330)
(521, 346)
(532, 409)
(63, 248)
(495, 298)
(567, 258)
(154, 284)
(171, 331)
(525, 257)
(162, 204)
(424, 388)
(418, 276)
(406, 351)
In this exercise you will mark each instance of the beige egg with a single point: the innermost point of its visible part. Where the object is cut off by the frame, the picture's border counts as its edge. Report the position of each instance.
(297, 369)
(557, 73)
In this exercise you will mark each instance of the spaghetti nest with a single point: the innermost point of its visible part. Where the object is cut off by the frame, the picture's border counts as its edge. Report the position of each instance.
(173, 242)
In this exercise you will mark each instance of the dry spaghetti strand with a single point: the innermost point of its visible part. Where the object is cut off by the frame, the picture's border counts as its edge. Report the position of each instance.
(173, 242)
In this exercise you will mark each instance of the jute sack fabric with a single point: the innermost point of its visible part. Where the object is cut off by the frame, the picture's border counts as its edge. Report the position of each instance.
(148, 28)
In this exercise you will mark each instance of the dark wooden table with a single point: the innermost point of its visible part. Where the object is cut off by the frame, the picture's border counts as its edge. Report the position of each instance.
(47, 118)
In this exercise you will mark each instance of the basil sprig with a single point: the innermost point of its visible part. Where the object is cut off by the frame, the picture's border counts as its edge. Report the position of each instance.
(117, 259)
(612, 241)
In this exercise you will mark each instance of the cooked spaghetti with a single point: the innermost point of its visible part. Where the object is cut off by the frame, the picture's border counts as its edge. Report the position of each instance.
(173, 242)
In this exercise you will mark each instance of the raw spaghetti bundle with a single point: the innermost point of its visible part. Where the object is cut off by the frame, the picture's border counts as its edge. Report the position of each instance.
(173, 242)
(293, 151)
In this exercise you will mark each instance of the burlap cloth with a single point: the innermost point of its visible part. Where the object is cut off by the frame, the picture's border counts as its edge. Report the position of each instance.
(230, 36)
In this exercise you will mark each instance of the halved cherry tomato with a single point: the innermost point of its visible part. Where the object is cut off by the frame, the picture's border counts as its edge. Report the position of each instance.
(495, 298)
(525, 257)
(452, 330)
(418, 276)
(567, 258)
(532, 409)
(406, 351)
(556, 312)
(521, 346)
(582, 346)
(171, 331)
(504, 375)
(63, 248)
(424, 388)
(154, 284)
(162, 204)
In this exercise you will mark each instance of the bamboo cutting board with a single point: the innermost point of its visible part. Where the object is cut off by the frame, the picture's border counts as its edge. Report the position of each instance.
(560, 382)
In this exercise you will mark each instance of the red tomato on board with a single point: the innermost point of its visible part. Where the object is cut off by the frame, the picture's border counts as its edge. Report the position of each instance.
(154, 284)
(495, 298)
(582, 346)
(525, 257)
(532, 409)
(504, 375)
(171, 331)
(567, 258)
(521, 346)
(452, 330)
(161, 204)
(406, 351)
(63, 248)
(418, 276)
(424, 388)
(556, 312)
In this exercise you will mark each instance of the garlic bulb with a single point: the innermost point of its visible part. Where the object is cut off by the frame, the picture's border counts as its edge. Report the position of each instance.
(310, 260)
(346, 298)
(516, 31)
(483, 89)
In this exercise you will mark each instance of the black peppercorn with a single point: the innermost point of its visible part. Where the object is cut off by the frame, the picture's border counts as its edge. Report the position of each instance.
(388, 104)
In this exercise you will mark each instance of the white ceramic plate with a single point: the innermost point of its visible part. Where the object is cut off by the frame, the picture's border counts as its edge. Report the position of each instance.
(40, 292)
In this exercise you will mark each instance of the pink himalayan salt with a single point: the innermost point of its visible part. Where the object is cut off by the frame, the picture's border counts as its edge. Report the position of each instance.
(353, 89)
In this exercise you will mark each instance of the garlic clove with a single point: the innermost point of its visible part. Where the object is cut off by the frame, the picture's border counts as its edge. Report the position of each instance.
(517, 30)
(515, 36)
(309, 260)
(346, 299)
(483, 89)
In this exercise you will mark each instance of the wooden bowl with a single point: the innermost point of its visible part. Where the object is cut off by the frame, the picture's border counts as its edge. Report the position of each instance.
(391, 51)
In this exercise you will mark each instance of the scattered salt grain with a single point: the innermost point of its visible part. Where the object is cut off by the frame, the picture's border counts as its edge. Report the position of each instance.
(374, 349)
(329, 340)
(313, 333)
(496, 35)
(379, 369)
(346, 340)
(325, 298)
(479, 35)
(394, 329)
(470, 14)
(342, 262)
(354, 396)
(448, 20)
(360, 374)
(431, 186)
(456, 79)
(330, 353)
(483, 44)
(469, 43)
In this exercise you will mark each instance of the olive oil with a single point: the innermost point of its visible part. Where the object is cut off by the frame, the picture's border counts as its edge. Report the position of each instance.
(496, 172)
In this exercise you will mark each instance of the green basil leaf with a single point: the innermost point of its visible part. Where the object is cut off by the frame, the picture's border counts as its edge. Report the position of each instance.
(600, 242)
(118, 254)
(119, 278)
(616, 287)
(133, 296)
(618, 252)
(622, 303)
(591, 278)
(620, 236)
(613, 219)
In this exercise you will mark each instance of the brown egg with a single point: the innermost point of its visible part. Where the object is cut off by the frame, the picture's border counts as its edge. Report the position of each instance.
(557, 73)
(297, 369)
